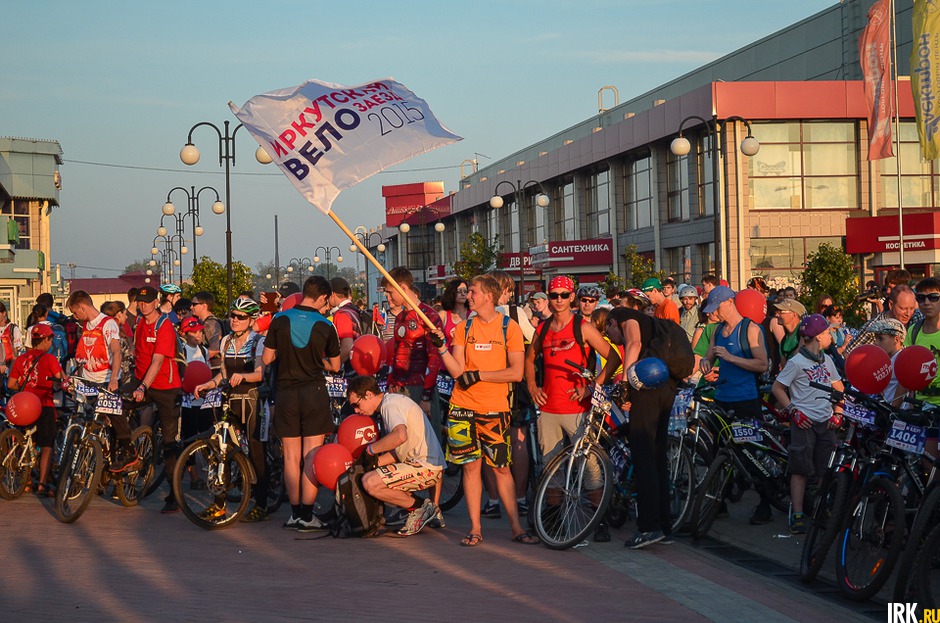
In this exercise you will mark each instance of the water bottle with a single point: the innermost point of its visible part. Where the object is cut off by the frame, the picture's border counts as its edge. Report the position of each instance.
(771, 465)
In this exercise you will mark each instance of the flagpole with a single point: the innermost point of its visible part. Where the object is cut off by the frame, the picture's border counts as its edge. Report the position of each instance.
(897, 133)
(407, 297)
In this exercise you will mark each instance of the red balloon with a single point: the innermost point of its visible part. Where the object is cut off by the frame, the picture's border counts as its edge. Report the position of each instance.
(197, 373)
(868, 369)
(368, 355)
(330, 462)
(23, 408)
(751, 304)
(389, 351)
(915, 367)
(290, 301)
(356, 432)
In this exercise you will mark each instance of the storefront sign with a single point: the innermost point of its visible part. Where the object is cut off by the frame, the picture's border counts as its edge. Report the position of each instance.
(879, 234)
(573, 253)
(510, 263)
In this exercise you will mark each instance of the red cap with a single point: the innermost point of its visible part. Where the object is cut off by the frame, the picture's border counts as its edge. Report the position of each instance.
(40, 330)
(191, 325)
(561, 281)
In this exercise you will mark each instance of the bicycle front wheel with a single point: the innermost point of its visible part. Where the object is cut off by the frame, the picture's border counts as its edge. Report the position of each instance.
(711, 494)
(227, 479)
(274, 460)
(927, 571)
(13, 474)
(872, 540)
(827, 515)
(79, 482)
(131, 486)
(681, 482)
(572, 496)
(928, 516)
(158, 471)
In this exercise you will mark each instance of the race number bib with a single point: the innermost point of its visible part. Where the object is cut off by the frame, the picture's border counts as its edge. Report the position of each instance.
(907, 437)
(746, 432)
(108, 404)
(858, 413)
(445, 385)
(335, 386)
(212, 400)
(84, 390)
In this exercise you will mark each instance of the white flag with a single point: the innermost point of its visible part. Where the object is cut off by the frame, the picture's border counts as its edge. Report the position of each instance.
(327, 137)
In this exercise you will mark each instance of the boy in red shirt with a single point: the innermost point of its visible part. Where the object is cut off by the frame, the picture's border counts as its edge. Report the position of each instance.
(33, 372)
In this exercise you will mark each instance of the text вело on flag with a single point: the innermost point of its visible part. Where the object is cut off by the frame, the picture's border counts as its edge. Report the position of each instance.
(874, 48)
(327, 137)
(925, 75)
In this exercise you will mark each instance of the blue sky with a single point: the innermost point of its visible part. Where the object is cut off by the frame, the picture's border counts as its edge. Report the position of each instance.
(119, 84)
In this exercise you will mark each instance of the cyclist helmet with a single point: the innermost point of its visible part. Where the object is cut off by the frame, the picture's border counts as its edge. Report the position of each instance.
(688, 291)
(590, 291)
(246, 306)
(639, 294)
(170, 288)
(647, 373)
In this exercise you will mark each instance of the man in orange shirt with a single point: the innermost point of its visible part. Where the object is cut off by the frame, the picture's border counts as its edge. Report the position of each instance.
(665, 308)
(486, 356)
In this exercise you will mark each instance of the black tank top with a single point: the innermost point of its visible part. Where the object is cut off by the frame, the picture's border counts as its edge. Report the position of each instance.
(242, 362)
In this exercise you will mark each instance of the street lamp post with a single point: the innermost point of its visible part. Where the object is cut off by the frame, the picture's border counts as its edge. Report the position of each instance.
(366, 239)
(327, 252)
(192, 210)
(189, 155)
(680, 146)
(301, 263)
(169, 258)
(177, 237)
(518, 190)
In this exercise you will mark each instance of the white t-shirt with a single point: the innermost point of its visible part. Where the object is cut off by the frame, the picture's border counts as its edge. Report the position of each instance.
(422, 444)
(797, 375)
(110, 331)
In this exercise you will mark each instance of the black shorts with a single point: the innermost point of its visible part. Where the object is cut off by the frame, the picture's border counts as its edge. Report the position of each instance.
(45, 428)
(303, 412)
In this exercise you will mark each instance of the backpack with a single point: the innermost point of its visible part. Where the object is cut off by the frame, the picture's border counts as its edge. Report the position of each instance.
(746, 347)
(179, 356)
(357, 514)
(671, 344)
(73, 333)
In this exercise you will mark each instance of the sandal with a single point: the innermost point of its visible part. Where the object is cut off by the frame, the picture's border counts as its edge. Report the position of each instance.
(45, 491)
(471, 540)
(526, 538)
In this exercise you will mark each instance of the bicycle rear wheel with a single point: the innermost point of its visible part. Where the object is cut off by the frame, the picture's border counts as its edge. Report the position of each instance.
(928, 516)
(158, 473)
(872, 540)
(13, 474)
(927, 571)
(572, 496)
(131, 485)
(681, 482)
(711, 494)
(274, 459)
(79, 481)
(228, 485)
(827, 515)
(451, 486)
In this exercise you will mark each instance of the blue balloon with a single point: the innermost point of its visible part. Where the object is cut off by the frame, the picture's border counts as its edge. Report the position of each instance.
(648, 373)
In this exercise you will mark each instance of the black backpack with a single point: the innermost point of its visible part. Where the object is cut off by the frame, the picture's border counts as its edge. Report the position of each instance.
(357, 514)
(669, 342)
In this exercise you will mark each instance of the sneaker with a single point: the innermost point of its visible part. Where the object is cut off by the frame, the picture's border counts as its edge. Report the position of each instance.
(642, 539)
(291, 523)
(523, 507)
(491, 511)
(602, 533)
(761, 516)
(667, 539)
(213, 511)
(438, 520)
(396, 518)
(256, 514)
(314, 525)
(170, 506)
(798, 523)
(418, 518)
(125, 458)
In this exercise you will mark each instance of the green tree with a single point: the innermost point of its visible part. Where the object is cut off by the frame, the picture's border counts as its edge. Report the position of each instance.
(640, 268)
(143, 266)
(829, 270)
(476, 256)
(613, 283)
(210, 276)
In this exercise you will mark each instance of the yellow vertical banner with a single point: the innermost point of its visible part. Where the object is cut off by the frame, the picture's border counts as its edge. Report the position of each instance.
(925, 75)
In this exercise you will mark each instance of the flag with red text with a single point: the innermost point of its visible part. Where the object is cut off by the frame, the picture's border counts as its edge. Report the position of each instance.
(874, 49)
(327, 137)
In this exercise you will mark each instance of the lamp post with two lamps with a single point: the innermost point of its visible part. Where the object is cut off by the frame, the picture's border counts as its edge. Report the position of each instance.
(681, 146)
(189, 155)
(518, 191)
(366, 239)
(327, 252)
(192, 210)
(303, 264)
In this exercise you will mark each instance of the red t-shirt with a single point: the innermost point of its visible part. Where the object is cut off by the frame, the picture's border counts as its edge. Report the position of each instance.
(38, 382)
(559, 377)
(146, 343)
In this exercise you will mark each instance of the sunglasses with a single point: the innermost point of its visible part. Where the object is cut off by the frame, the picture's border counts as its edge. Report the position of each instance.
(933, 297)
(559, 295)
(238, 317)
(585, 299)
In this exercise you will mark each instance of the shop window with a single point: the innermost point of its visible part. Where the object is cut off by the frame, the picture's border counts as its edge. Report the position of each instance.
(638, 193)
(677, 191)
(920, 184)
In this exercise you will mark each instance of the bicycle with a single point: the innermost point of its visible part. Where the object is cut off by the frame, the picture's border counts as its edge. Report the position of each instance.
(220, 457)
(18, 457)
(576, 485)
(86, 471)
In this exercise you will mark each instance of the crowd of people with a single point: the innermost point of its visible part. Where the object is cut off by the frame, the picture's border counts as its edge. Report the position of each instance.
(507, 363)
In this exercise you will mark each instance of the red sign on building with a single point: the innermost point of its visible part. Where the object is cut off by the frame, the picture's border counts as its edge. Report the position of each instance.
(573, 254)
(510, 263)
(880, 234)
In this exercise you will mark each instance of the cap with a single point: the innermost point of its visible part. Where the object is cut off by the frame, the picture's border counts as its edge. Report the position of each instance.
(146, 294)
(651, 284)
(40, 331)
(561, 281)
(538, 295)
(791, 305)
(716, 297)
(888, 326)
(191, 325)
(339, 285)
(813, 325)
(286, 289)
